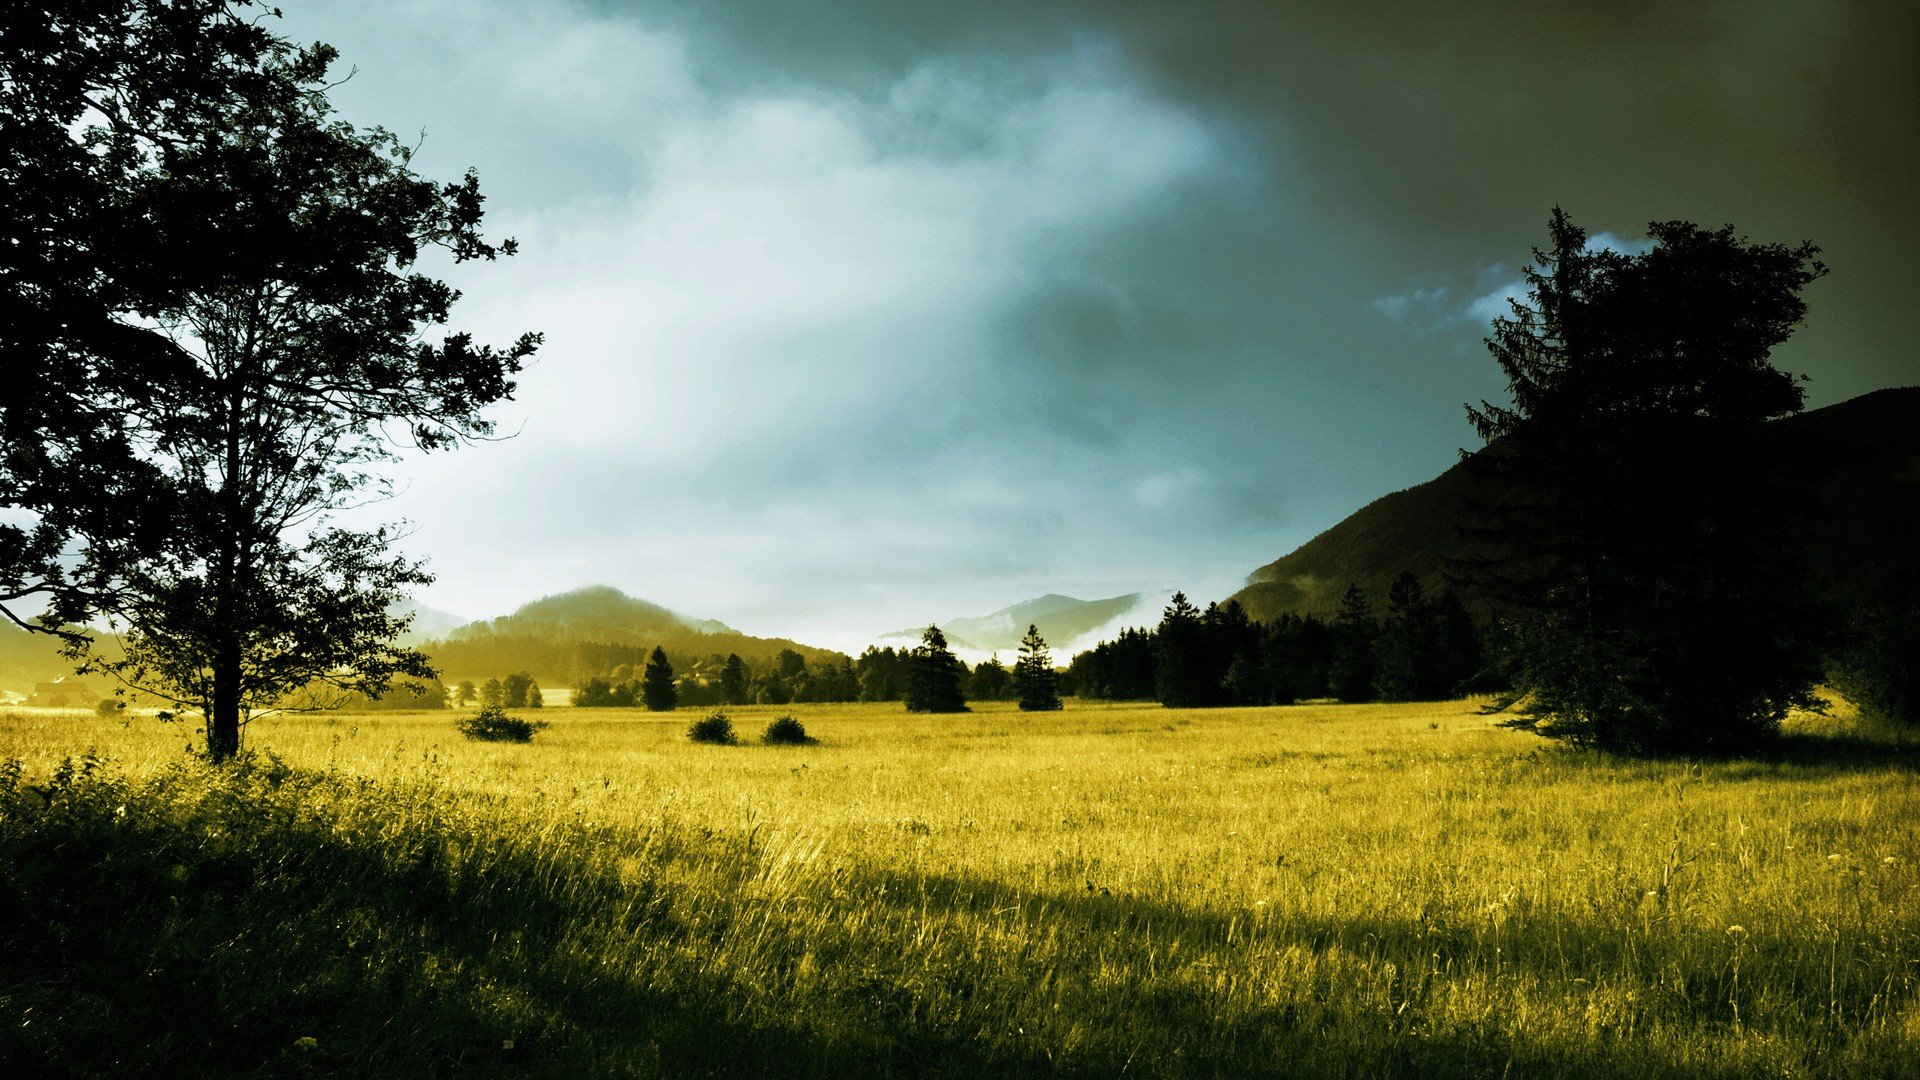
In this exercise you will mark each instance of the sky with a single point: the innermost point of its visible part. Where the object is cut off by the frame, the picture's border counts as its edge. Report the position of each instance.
(861, 315)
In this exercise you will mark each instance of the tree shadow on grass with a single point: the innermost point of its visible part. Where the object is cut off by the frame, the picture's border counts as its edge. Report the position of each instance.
(253, 940)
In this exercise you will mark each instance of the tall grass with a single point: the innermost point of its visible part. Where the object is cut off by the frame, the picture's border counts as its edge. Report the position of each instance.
(1318, 891)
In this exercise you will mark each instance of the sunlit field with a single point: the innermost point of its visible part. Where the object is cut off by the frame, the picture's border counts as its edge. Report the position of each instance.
(1386, 890)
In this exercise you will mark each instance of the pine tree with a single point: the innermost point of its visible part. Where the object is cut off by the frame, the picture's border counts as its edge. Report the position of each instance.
(1354, 660)
(1409, 661)
(1180, 680)
(1034, 679)
(934, 676)
(733, 681)
(656, 684)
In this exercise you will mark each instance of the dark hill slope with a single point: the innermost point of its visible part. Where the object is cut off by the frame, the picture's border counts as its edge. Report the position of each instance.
(588, 632)
(1869, 448)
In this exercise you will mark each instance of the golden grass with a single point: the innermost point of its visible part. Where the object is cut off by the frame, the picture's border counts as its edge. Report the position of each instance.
(1327, 890)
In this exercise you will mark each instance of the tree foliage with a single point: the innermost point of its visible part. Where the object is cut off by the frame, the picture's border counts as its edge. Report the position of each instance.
(214, 332)
(1639, 545)
(657, 691)
(1035, 682)
(934, 676)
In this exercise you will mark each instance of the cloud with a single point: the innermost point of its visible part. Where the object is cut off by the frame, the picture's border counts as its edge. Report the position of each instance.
(777, 379)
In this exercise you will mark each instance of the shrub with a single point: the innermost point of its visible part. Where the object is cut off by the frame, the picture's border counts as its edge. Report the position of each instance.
(786, 731)
(492, 724)
(715, 729)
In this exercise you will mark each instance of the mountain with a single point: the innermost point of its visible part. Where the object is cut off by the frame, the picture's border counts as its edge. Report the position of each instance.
(1061, 619)
(1868, 514)
(589, 632)
(428, 622)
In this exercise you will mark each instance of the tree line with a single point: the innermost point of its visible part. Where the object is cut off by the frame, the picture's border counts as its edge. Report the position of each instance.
(1419, 649)
(926, 678)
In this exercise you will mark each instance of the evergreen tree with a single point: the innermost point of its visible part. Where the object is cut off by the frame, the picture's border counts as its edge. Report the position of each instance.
(1181, 679)
(1034, 679)
(934, 676)
(1409, 645)
(990, 680)
(656, 684)
(1354, 661)
(1640, 547)
(1463, 662)
(733, 681)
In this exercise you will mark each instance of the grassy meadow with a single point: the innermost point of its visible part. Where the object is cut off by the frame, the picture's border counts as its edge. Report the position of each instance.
(1379, 890)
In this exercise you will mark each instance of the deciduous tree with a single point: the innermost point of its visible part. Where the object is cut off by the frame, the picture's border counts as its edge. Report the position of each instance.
(216, 335)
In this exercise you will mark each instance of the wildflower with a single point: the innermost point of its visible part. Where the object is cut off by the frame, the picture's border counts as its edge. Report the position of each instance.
(306, 1042)
(1736, 928)
(1888, 861)
(1835, 857)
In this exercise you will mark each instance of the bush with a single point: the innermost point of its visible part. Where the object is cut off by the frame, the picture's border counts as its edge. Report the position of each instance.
(715, 729)
(492, 724)
(786, 731)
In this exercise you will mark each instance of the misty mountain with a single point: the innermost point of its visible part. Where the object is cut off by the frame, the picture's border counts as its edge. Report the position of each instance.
(1867, 517)
(1061, 619)
(428, 622)
(590, 631)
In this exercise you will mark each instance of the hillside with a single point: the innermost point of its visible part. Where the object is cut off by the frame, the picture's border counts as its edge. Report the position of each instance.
(590, 631)
(1061, 619)
(1869, 514)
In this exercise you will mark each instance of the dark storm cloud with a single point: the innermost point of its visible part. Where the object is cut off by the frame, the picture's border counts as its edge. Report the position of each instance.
(856, 309)
(1437, 135)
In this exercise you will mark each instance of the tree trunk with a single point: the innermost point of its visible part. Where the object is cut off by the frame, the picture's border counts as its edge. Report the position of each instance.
(223, 721)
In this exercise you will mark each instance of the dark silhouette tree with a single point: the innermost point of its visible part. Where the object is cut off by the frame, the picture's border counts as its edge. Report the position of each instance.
(733, 681)
(1034, 680)
(465, 692)
(1355, 662)
(1410, 667)
(934, 676)
(657, 691)
(1182, 678)
(493, 694)
(1640, 547)
(244, 343)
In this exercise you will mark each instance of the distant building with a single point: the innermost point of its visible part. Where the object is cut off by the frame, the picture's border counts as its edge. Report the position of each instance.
(62, 693)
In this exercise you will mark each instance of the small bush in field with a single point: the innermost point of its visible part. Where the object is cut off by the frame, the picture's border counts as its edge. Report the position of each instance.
(786, 731)
(715, 729)
(492, 724)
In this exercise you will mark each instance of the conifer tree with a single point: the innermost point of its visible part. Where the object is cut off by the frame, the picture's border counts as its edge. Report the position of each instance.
(1409, 661)
(934, 676)
(1034, 679)
(990, 680)
(1180, 680)
(656, 684)
(1640, 549)
(1354, 661)
(733, 681)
